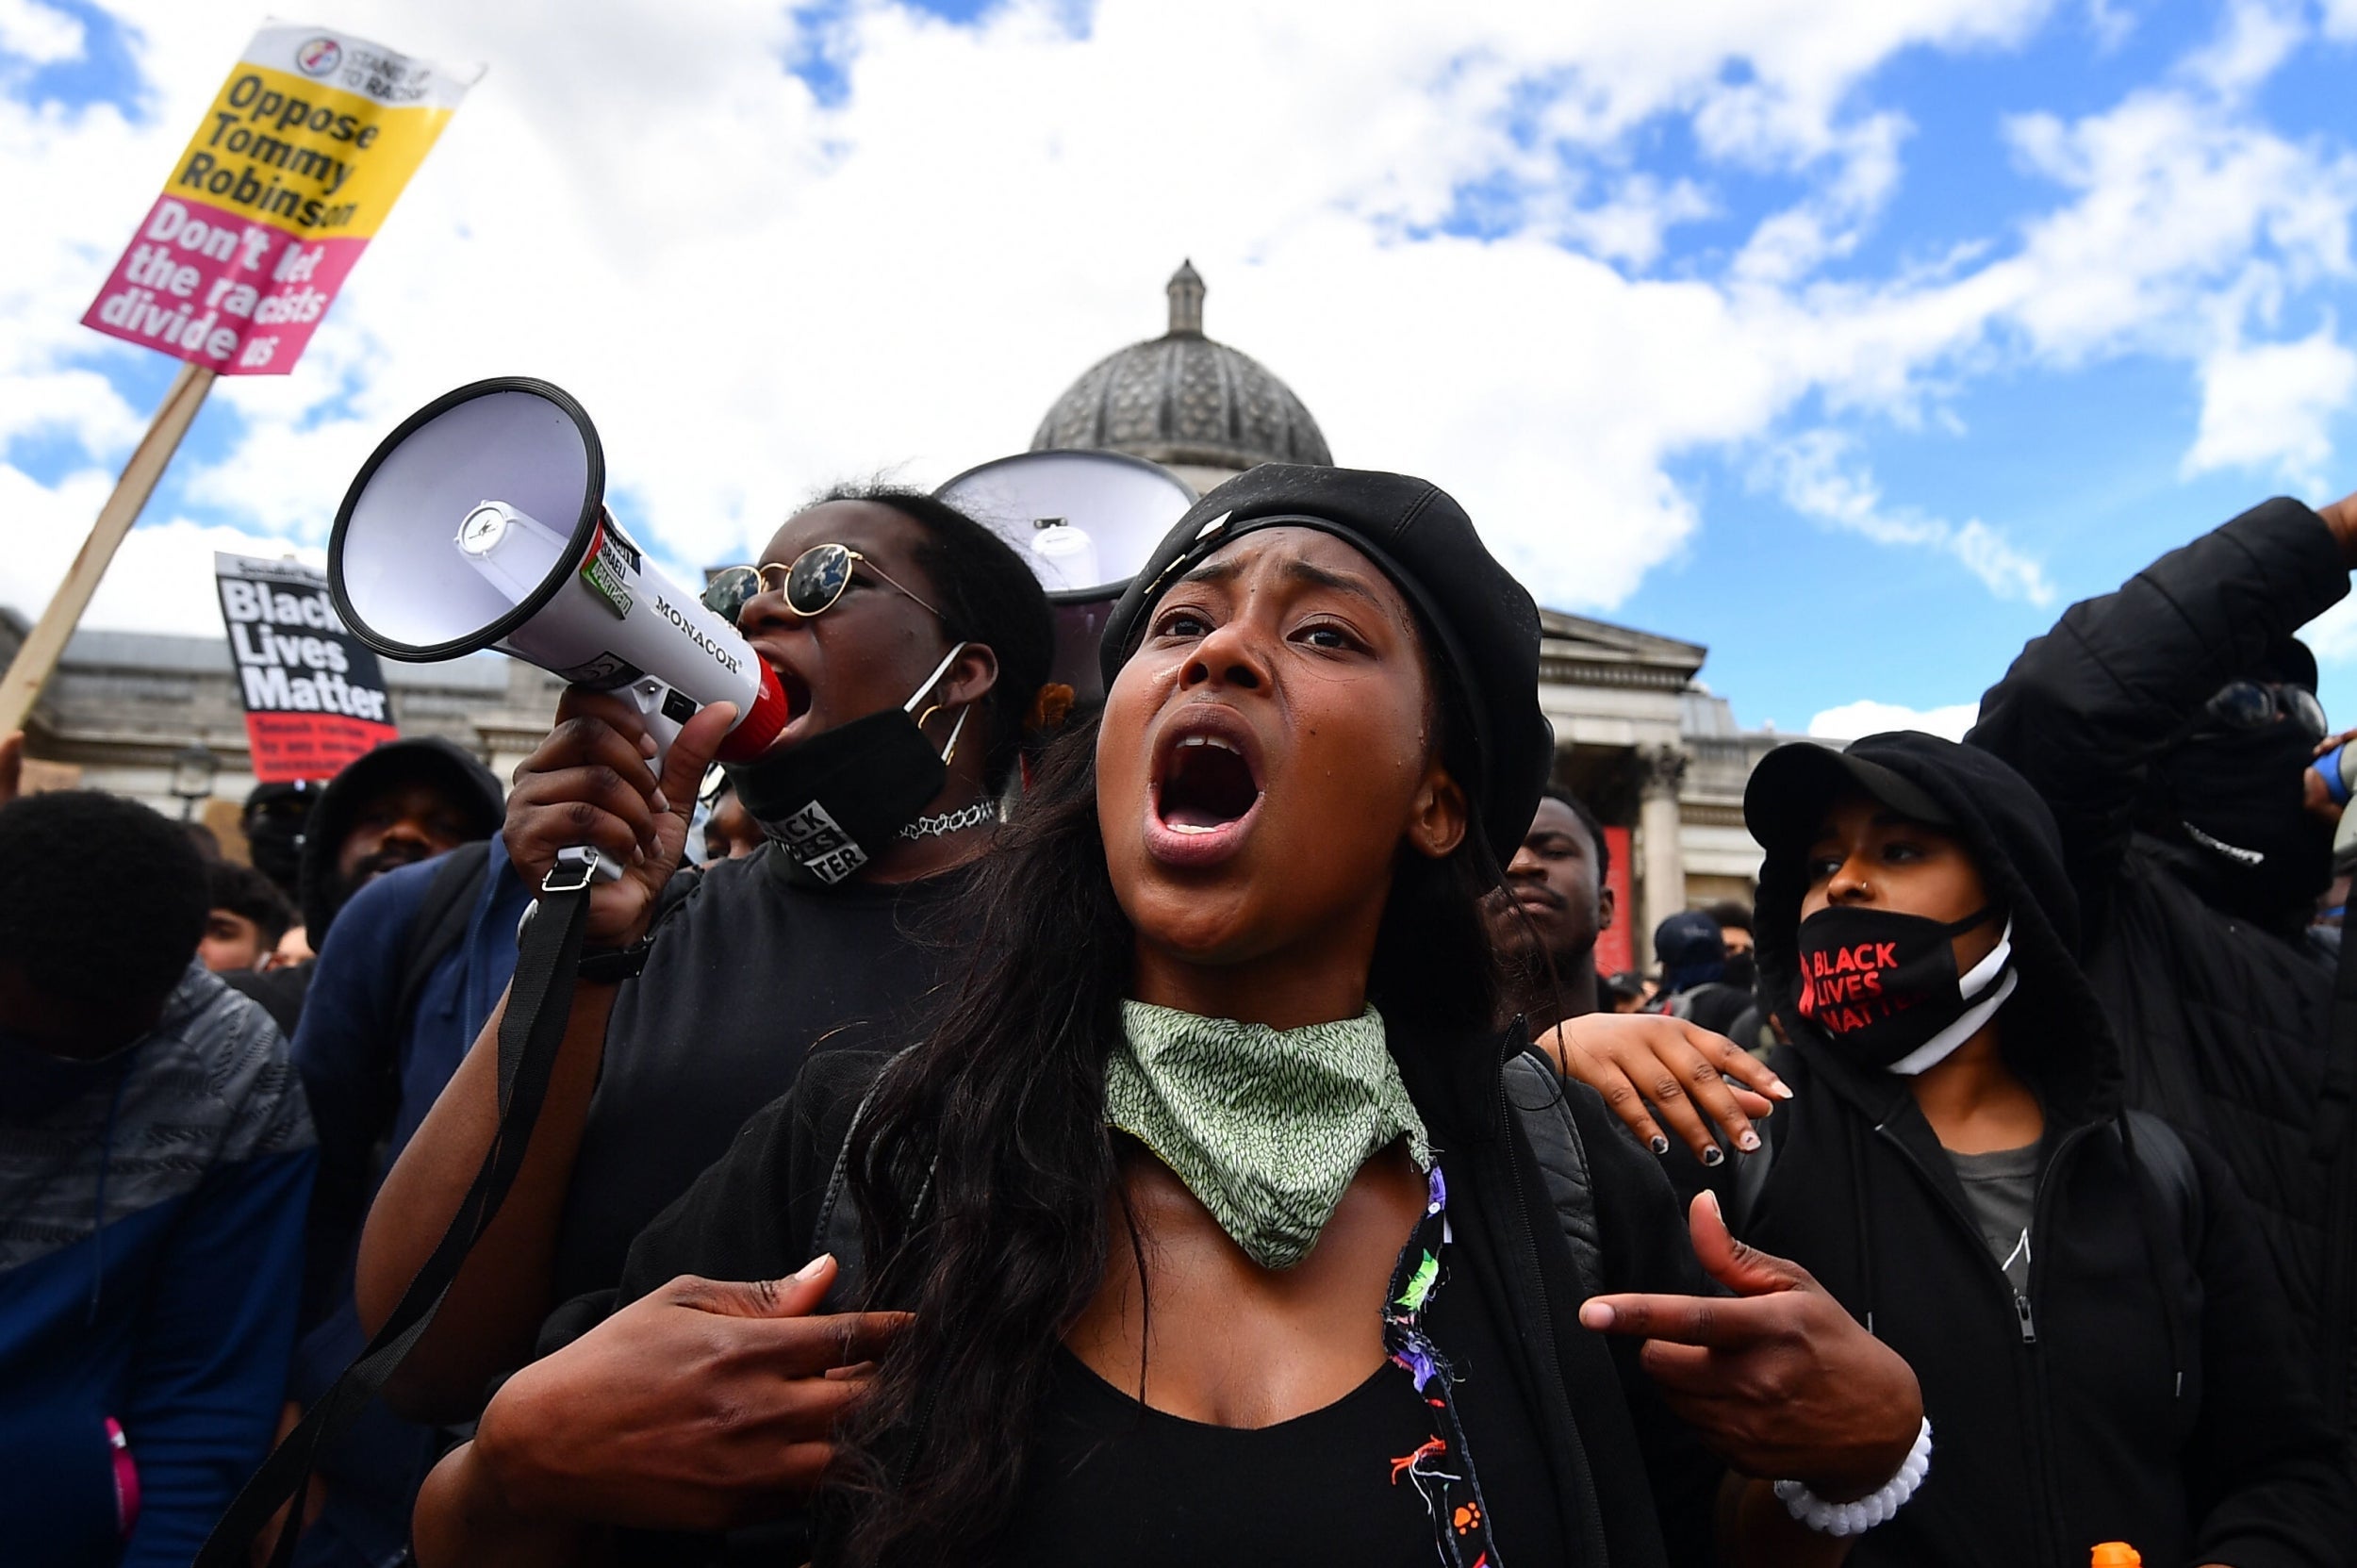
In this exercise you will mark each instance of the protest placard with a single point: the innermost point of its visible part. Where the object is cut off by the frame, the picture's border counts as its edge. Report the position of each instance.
(314, 694)
(295, 164)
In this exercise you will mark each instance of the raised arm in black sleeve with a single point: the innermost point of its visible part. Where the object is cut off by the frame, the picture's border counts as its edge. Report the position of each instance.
(2086, 707)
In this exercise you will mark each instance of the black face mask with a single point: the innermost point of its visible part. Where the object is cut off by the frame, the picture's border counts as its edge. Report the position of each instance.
(2238, 797)
(834, 802)
(1741, 971)
(1884, 987)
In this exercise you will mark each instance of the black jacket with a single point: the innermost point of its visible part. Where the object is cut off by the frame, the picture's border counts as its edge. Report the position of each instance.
(1610, 1444)
(2226, 1028)
(2147, 1388)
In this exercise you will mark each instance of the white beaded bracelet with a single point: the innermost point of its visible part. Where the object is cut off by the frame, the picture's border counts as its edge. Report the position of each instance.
(1876, 1508)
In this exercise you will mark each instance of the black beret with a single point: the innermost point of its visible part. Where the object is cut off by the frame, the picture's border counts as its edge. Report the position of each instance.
(1485, 622)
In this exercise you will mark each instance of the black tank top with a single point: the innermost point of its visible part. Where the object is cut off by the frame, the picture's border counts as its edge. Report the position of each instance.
(1114, 1481)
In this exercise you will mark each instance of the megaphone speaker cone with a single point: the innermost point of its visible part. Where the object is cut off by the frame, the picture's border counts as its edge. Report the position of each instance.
(395, 576)
(481, 522)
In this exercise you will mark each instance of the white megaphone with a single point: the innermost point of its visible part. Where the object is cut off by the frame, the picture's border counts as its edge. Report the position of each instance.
(481, 522)
(1084, 523)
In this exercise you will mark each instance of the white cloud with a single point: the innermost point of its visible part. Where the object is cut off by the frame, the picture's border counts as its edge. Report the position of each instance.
(2271, 406)
(161, 580)
(38, 34)
(2255, 38)
(1867, 718)
(2332, 635)
(1818, 476)
(755, 293)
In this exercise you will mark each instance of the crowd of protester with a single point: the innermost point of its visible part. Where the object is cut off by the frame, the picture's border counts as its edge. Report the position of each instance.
(1197, 1126)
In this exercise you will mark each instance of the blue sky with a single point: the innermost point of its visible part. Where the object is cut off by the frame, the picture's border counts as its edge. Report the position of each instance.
(1853, 340)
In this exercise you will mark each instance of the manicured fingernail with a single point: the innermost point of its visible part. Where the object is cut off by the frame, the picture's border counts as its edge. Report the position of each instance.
(1661, 1144)
(659, 802)
(1714, 1156)
(1595, 1314)
(647, 747)
(810, 1270)
(1749, 1142)
(1716, 1211)
(1780, 1089)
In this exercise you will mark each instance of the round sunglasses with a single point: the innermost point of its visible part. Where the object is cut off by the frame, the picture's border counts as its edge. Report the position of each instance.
(811, 586)
(2247, 704)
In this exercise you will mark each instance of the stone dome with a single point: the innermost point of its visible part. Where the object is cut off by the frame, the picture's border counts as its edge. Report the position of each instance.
(1186, 402)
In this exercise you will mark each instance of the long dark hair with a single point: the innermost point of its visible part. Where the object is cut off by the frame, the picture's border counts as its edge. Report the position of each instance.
(982, 1167)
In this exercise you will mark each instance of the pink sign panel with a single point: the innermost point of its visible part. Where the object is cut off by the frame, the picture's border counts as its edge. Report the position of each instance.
(236, 297)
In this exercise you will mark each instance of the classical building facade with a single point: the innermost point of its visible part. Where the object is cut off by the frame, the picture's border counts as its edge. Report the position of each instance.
(1638, 736)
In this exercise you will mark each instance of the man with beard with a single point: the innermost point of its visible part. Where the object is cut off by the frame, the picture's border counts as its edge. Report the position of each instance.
(2169, 727)
(1643, 1064)
(401, 803)
(913, 647)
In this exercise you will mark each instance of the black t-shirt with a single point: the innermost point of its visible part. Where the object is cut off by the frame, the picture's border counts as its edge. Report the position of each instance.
(1111, 1481)
(754, 1214)
(748, 975)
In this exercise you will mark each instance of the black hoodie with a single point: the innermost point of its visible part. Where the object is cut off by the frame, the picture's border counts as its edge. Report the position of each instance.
(2144, 1388)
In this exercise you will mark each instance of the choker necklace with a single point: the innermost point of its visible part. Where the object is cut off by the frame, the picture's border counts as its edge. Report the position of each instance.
(952, 821)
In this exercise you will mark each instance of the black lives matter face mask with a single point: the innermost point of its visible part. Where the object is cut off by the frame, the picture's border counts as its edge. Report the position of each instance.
(1885, 990)
(833, 803)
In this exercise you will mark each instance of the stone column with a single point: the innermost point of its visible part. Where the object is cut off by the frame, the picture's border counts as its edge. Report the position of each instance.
(1663, 859)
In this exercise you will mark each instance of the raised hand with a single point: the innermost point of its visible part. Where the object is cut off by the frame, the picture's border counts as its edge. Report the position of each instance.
(1645, 1063)
(1779, 1380)
(589, 782)
(701, 1407)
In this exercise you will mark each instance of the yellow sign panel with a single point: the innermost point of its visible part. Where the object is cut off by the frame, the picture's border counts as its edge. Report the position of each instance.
(298, 159)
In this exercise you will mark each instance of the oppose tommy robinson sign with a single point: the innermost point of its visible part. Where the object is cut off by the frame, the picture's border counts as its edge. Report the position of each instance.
(298, 161)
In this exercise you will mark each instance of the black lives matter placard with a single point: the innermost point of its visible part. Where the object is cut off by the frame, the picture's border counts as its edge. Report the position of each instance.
(314, 695)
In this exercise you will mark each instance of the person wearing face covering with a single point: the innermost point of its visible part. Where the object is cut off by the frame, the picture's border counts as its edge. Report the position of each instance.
(1215, 1220)
(2103, 1346)
(1695, 968)
(913, 647)
(2168, 726)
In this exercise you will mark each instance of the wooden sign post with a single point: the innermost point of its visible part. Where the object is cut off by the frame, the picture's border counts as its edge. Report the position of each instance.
(29, 670)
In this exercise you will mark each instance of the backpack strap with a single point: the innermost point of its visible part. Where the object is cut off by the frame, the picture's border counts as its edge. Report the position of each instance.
(837, 1229)
(1542, 1105)
(2160, 1160)
(438, 924)
(2166, 1162)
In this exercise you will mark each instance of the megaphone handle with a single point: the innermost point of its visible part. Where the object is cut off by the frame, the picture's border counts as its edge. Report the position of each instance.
(656, 703)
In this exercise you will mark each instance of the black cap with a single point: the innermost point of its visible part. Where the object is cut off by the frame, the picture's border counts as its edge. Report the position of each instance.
(1785, 803)
(1688, 938)
(1484, 621)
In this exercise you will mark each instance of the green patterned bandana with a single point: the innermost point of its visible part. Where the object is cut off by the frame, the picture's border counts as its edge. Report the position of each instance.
(1265, 1126)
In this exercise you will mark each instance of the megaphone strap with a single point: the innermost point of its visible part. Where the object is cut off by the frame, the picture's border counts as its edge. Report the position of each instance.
(548, 954)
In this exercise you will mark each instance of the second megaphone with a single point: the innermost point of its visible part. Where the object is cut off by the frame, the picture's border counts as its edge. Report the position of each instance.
(481, 522)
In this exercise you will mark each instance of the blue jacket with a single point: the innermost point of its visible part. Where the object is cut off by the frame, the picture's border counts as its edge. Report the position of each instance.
(151, 1245)
(370, 1081)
